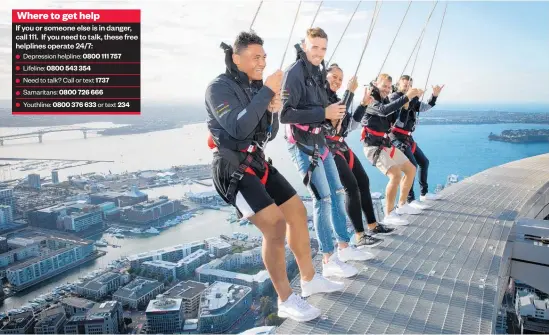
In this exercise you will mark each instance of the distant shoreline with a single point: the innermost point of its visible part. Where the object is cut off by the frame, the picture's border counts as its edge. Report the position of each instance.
(178, 118)
(521, 136)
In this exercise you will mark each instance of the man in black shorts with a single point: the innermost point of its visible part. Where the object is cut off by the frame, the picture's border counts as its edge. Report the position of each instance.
(242, 119)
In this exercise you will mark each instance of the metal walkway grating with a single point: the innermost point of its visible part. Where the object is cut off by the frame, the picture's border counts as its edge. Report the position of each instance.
(440, 274)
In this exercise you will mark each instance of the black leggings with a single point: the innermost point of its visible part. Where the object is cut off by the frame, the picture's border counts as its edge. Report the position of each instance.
(357, 187)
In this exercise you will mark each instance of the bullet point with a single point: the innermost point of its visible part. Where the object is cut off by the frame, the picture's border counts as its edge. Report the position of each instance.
(17, 56)
(17, 68)
(17, 105)
(17, 93)
(17, 81)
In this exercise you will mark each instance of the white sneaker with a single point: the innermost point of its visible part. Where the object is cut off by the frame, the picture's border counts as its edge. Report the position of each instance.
(419, 205)
(407, 209)
(353, 254)
(297, 309)
(336, 268)
(319, 284)
(430, 196)
(394, 219)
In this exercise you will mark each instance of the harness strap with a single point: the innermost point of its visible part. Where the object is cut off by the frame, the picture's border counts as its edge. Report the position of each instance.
(351, 159)
(366, 130)
(243, 167)
(312, 130)
(315, 155)
(401, 131)
(336, 138)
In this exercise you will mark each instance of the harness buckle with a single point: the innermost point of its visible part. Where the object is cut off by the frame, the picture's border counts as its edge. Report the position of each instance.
(251, 148)
(238, 175)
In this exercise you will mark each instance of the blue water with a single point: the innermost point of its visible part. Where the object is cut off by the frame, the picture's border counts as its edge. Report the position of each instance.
(457, 149)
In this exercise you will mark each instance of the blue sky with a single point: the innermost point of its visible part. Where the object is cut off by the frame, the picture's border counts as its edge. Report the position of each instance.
(489, 52)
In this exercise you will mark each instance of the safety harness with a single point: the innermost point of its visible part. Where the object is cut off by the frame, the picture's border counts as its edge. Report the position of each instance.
(253, 152)
(314, 154)
(409, 140)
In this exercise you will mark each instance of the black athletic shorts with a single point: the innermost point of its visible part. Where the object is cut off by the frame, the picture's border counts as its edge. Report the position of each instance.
(251, 195)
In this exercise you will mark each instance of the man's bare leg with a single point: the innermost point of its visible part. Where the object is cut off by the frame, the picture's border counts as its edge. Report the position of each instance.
(395, 176)
(298, 235)
(406, 184)
(272, 224)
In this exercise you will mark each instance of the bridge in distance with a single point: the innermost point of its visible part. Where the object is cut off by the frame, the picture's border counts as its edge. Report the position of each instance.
(40, 133)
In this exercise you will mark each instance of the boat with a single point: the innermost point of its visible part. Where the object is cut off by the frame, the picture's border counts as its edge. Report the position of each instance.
(101, 243)
(118, 235)
(152, 230)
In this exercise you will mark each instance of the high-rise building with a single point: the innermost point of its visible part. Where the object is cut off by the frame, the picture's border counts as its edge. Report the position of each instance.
(6, 215)
(165, 316)
(6, 198)
(221, 304)
(55, 177)
(34, 180)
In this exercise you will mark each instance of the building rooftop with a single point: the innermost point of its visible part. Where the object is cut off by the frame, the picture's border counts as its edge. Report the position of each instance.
(19, 321)
(541, 304)
(77, 302)
(50, 317)
(158, 252)
(161, 264)
(21, 242)
(445, 272)
(220, 297)
(192, 257)
(102, 309)
(77, 319)
(525, 301)
(259, 277)
(96, 283)
(149, 204)
(137, 288)
(186, 290)
(163, 304)
(73, 244)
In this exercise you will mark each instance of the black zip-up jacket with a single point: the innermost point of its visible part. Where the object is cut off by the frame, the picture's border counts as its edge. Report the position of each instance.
(304, 101)
(379, 116)
(347, 123)
(407, 118)
(347, 120)
(237, 110)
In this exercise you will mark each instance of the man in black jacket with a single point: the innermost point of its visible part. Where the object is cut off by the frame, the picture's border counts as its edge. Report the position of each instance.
(305, 110)
(377, 119)
(242, 118)
(401, 137)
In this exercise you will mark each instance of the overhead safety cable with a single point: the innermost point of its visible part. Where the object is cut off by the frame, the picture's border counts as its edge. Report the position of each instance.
(420, 37)
(316, 14)
(394, 39)
(290, 36)
(343, 34)
(435, 51)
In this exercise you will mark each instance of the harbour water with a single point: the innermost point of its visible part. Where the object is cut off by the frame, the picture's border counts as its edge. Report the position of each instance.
(452, 149)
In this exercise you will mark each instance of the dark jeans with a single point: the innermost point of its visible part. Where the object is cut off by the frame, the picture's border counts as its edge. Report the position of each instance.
(357, 189)
(418, 158)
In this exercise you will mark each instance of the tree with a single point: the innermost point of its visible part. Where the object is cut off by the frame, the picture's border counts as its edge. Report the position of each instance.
(266, 305)
(273, 320)
(127, 321)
